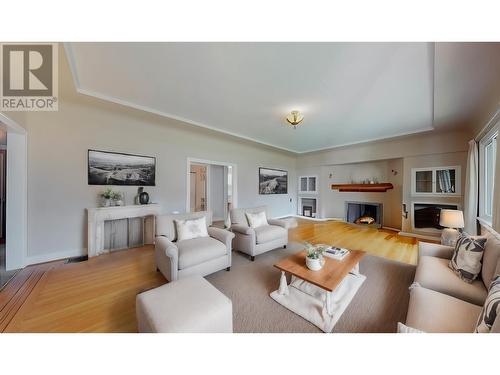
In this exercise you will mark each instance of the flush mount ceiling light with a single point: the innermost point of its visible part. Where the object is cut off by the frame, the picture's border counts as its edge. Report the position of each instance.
(294, 118)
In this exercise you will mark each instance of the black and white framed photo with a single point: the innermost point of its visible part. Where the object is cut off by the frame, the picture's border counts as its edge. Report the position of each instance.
(273, 181)
(114, 168)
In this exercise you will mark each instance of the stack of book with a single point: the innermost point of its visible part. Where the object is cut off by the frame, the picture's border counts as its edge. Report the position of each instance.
(337, 253)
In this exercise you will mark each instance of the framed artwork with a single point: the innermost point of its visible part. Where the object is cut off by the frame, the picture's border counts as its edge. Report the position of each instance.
(273, 181)
(114, 168)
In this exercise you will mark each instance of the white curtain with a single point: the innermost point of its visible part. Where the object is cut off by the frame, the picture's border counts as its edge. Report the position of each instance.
(471, 189)
(496, 193)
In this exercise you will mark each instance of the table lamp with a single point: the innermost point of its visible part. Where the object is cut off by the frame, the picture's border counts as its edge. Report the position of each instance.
(451, 220)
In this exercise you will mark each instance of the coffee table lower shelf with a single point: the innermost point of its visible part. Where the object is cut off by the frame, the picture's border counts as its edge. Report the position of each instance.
(318, 306)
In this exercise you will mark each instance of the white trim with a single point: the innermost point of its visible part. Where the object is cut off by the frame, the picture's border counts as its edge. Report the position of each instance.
(434, 193)
(408, 234)
(484, 222)
(191, 160)
(16, 247)
(112, 99)
(50, 257)
(483, 141)
(391, 228)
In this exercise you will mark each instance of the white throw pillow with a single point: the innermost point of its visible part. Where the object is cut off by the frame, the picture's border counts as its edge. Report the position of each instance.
(191, 228)
(257, 219)
(402, 328)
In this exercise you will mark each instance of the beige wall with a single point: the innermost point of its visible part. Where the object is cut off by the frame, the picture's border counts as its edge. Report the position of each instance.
(58, 192)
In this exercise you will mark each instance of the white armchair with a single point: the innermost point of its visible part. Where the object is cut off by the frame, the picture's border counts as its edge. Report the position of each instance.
(197, 256)
(255, 241)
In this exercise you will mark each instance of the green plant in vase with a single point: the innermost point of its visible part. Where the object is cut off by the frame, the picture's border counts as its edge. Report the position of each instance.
(107, 196)
(314, 257)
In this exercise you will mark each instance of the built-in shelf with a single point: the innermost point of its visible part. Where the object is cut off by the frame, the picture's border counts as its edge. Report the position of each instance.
(369, 188)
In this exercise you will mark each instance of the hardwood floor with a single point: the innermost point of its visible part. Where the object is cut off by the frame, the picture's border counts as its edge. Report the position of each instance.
(98, 295)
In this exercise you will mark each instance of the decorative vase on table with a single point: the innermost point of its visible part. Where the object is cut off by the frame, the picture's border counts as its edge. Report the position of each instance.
(315, 264)
(314, 257)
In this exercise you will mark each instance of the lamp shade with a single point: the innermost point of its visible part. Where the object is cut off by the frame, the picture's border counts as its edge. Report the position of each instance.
(451, 219)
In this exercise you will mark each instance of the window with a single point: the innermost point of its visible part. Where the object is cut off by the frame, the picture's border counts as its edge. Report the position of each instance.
(487, 158)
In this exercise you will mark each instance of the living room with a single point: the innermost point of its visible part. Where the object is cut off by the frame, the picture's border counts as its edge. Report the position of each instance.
(336, 188)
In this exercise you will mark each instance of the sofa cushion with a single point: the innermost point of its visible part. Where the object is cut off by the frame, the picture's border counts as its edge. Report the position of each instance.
(238, 214)
(467, 256)
(191, 228)
(430, 311)
(434, 273)
(257, 219)
(268, 233)
(165, 225)
(491, 254)
(491, 309)
(199, 250)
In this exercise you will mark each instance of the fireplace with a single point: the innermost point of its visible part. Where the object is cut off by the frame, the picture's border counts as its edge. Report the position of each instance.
(307, 207)
(364, 213)
(427, 215)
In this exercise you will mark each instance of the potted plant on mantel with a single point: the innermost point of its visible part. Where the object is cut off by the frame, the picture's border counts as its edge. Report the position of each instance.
(314, 257)
(107, 197)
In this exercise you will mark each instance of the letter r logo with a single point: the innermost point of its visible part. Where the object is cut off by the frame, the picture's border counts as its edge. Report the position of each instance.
(27, 70)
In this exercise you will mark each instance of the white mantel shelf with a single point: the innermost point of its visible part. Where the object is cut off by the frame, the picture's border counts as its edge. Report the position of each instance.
(98, 215)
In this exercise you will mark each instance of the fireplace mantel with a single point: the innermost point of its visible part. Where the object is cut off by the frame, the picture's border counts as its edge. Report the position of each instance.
(97, 217)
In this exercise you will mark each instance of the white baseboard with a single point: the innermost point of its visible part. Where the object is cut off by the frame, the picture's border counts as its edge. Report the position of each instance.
(391, 228)
(49, 257)
(408, 234)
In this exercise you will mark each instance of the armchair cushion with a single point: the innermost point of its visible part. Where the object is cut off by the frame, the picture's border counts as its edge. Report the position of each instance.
(199, 250)
(434, 273)
(238, 214)
(491, 254)
(257, 219)
(191, 228)
(268, 233)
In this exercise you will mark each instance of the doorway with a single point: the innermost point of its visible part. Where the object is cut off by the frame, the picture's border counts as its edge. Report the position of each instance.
(211, 187)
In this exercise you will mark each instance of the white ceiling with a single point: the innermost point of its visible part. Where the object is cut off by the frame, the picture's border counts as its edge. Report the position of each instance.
(348, 92)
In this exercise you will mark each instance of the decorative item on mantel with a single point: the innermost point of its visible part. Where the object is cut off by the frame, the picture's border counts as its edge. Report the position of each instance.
(142, 196)
(368, 187)
(111, 198)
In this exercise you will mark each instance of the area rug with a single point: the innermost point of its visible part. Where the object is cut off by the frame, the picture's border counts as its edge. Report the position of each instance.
(380, 303)
(309, 301)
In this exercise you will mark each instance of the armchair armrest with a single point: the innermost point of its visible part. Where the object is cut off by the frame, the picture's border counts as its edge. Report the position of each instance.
(434, 250)
(221, 235)
(163, 244)
(167, 258)
(286, 224)
(242, 229)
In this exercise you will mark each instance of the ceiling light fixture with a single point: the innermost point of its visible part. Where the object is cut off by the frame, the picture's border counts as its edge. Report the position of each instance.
(294, 118)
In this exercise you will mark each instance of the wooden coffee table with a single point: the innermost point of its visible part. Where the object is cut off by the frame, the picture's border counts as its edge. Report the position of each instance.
(328, 278)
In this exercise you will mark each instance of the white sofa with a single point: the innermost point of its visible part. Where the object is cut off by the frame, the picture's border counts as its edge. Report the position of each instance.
(262, 239)
(198, 256)
(439, 300)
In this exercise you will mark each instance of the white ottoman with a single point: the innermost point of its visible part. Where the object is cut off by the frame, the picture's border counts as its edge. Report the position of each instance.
(186, 305)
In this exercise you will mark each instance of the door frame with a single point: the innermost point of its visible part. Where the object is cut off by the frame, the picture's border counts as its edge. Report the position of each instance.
(16, 223)
(191, 160)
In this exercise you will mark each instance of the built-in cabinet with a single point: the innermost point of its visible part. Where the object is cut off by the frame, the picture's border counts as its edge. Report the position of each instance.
(436, 181)
(308, 184)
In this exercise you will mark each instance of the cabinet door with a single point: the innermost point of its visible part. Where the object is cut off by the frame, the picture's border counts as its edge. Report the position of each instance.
(446, 180)
(303, 184)
(312, 184)
(423, 181)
